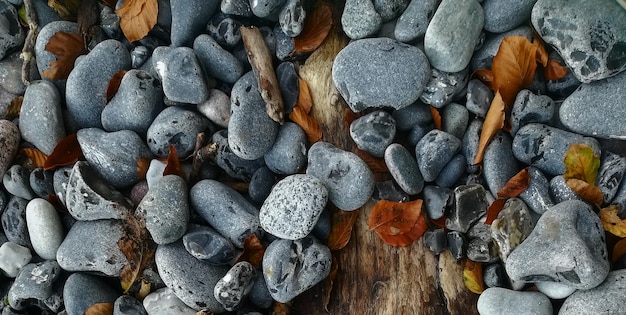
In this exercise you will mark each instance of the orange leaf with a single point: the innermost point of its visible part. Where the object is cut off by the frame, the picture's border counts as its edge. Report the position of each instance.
(309, 124)
(316, 28)
(142, 167)
(514, 67)
(395, 218)
(486, 76)
(554, 70)
(253, 251)
(137, 18)
(420, 227)
(440, 223)
(493, 210)
(436, 117)
(494, 121)
(612, 222)
(473, 276)
(38, 157)
(588, 192)
(173, 166)
(114, 84)
(581, 163)
(376, 165)
(13, 110)
(542, 53)
(67, 152)
(619, 250)
(66, 47)
(304, 97)
(341, 230)
(515, 185)
(348, 117)
(100, 309)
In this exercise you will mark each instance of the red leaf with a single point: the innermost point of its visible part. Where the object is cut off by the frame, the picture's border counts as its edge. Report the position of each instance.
(142, 167)
(253, 251)
(493, 210)
(114, 84)
(395, 218)
(441, 222)
(309, 124)
(515, 185)
(420, 227)
(67, 152)
(316, 27)
(341, 230)
(173, 166)
(436, 117)
(66, 47)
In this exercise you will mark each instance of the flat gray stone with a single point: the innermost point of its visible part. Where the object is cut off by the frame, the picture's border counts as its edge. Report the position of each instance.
(216, 108)
(41, 120)
(454, 119)
(12, 34)
(502, 16)
(414, 20)
(37, 286)
(499, 163)
(288, 154)
(16, 181)
(11, 73)
(390, 9)
(178, 127)
(189, 18)
(470, 204)
(530, 107)
(217, 61)
(360, 19)
(606, 298)
(373, 132)
(444, 87)
(235, 285)
(537, 195)
(14, 222)
(182, 75)
(512, 226)
(414, 114)
(434, 151)
(403, 167)
(205, 243)
(82, 290)
(496, 301)
(560, 191)
(479, 98)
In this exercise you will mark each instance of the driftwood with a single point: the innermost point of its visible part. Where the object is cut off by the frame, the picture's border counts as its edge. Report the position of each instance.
(31, 38)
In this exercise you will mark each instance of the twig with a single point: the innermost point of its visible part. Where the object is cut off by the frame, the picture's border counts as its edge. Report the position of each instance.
(31, 38)
(196, 163)
(261, 61)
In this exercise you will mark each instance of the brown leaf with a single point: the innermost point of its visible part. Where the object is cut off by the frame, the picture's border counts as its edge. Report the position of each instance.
(110, 3)
(494, 121)
(66, 47)
(173, 166)
(38, 158)
(316, 28)
(515, 185)
(14, 109)
(612, 222)
(554, 70)
(436, 117)
(440, 223)
(542, 53)
(238, 186)
(486, 76)
(88, 19)
(253, 251)
(304, 97)
(341, 229)
(588, 192)
(100, 309)
(329, 282)
(619, 250)
(137, 18)
(114, 84)
(376, 165)
(309, 124)
(493, 210)
(581, 163)
(67, 152)
(142, 167)
(420, 227)
(514, 67)
(473, 276)
(138, 248)
(281, 308)
(395, 218)
(67, 9)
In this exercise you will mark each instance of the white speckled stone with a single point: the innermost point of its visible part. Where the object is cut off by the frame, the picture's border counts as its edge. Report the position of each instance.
(44, 227)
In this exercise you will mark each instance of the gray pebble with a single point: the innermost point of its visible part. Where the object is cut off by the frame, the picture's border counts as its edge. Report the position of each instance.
(502, 16)
(217, 61)
(12, 34)
(164, 301)
(499, 163)
(17, 182)
(434, 151)
(470, 204)
(138, 56)
(182, 75)
(236, 7)
(216, 108)
(265, 8)
(418, 132)
(288, 154)
(454, 119)
(481, 251)
(606, 298)
(59, 182)
(261, 184)
(37, 286)
(554, 290)
(373, 132)
(45, 14)
(563, 87)
(436, 200)
(10, 137)
(360, 19)
(41, 182)
(291, 17)
(128, 305)
(610, 174)
(259, 294)
(178, 127)
(529, 107)
(404, 169)
(206, 244)
(232, 164)
(14, 222)
(414, 114)
(479, 98)
(512, 226)
(457, 244)
(494, 301)
(452, 172)
(42, 56)
(559, 191)
(537, 195)
(390, 9)
(494, 275)
(235, 285)
(284, 44)
(12, 258)
(11, 74)
(436, 240)
(323, 226)
(288, 81)
(44, 227)
(82, 290)
(443, 87)
(189, 19)
(225, 30)
(414, 20)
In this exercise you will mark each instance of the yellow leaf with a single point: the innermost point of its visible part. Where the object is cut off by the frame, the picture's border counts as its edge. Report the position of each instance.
(581, 163)
(67, 9)
(100, 309)
(612, 222)
(137, 18)
(494, 121)
(473, 276)
(66, 47)
(588, 192)
(144, 289)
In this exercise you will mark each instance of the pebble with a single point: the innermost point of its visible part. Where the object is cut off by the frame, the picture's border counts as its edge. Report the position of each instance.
(495, 276)
(289, 83)
(610, 174)
(11, 73)
(128, 305)
(433, 151)
(404, 169)
(165, 209)
(181, 74)
(390, 9)
(189, 19)
(41, 120)
(560, 191)
(12, 34)
(454, 119)
(225, 210)
(414, 20)
(482, 58)
(236, 7)
(529, 107)
(13, 257)
(397, 73)
(309, 262)
(41, 182)
(232, 164)
(415, 114)
(416, 134)
(566, 246)
(178, 127)
(235, 285)
(16, 181)
(453, 33)
(10, 139)
(436, 240)
(251, 132)
(137, 102)
(45, 14)
(91, 246)
(44, 227)
(452, 172)
(470, 204)
(217, 61)
(481, 251)
(554, 290)
(164, 302)
(502, 16)
(265, 8)
(288, 154)
(499, 163)
(457, 244)
(563, 87)
(113, 155)
(436, 199)
(216, 108)
(14, 221)
(543, 146)
(293, 207)
(85, 94)
(479, 98)
(261, 184)
(606, 298)
(495, 301)
(349, 180)
(444, 87)
(592, 44)
(292, 17)
(360, 19)
(597, 109)
(206, 244)
(138, 56)
(82, 290)
(192, 280)
(537, 195)
(512, 226)
(36, 286)
(225, 30)
(259, 294)
(322, 228)
(373, 132)
(389, 190)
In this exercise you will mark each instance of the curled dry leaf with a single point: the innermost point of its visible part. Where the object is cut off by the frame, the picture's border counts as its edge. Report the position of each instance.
(514, 67)
(138, 248)
(581, 163)
(554, 70)
(309, 124)
(281, 308)
(398, 224)
(515, 185)
(316, 27)
(137, 18)
(376, 165)
(420, 227)
(100, 309)
(494, 121)
(173, 166)
(14, 108)
(305, 101)
(341, 229)
(493, 210)
(114, 84)
(38, 157)
(67, 152)
(66, 47)
(436, 117)
(588, 192)
(253, 251)
(473, 276)
(612, 222)
(142, 167)
(619, 250)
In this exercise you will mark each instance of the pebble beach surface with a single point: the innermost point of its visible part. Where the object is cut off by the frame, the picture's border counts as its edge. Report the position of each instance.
(192, 75)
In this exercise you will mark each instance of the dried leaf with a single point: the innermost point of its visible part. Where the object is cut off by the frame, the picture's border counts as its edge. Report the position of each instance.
(309, 124)
(376, 165)
(304, 97)
(67, 152)
(588, 192)
(514, 67)
(100, 309)
(395, 218)
(38, 157)
(486, 76)
(554, 70)
(114, 84)
(13, 110)
(67, 9)
(494, 121)
(473, 276)
(515, 185)
(341, 229)
(542, 53)
(142, 167)
(253, 251)
(420, 227)
(173, 166)
(137, 18)
(281, 308)
(329, 282)
(436, 117)
(109, 3)
(581, 163)
(440, 223)
(493, 210)
(316, 28)
(144, 289)
(612, 222)
(66, 47)
(238, 186)
(88, 19)
(619, 250)
(138, 248)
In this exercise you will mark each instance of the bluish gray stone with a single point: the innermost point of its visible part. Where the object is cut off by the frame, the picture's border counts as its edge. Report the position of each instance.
(217, 61)
(11, 73)
(414, 114)
(418, 132)
(12, 258)
(85, 95)
(494, 301)
(17, 182)
(293, 207)
(373, 132)
(225, 31)
(470, 204)
(436, 240)
(14, 222)
(360, 19)
(181, 74)
(189, 18)
(288, 81)
(390, 9)
(566, 246)
(44, 227)
(128, 305)
(323, 226)
(291, 17)
(434, 151)
(397, 73)
(137, 102)
(37, 286)
(436, 200)
(110, 21)
(12, 34)
(233, 288)
(559, 191)
(453, 33)
(554, 290)
(191, 279)
(414, 20)
(537, 195)
(216, 108)
(288, 154)
(236, 7)
(164, 301)
(512, 226)
(444, 87)
(259, 294)
(543, 146)
(82, 290)
(41, 182)
(225, 210)
(45, 14)
(479, 98)
(457, 244)
(349, 180)
(479, 250)
(284, 44)
(494, 275)
(138, 56)
(499, 163)
(178, 127)
(309, 263)
(113, 155)
(606, 298)
(563, 87)
(403, 167)
(452, 172)
(261, 184)
(610, 174)
(42, 56)
(10, 137)
(529, 107)
(206, 244)
(265, 8)
(483, 57)
(232, 164)
(502, 16)
(454, 119)
(59, 181)
(592, 44)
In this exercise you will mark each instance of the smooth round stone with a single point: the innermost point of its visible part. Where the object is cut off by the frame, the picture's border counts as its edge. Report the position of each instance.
(554, 290)
(235, 285)
(12, 34)
(499, 163)
(434, 151)
(436, 200)
(36, 286)
(11, 74)
(10, 139)
(291, 17)
(85, 94)
(414, 20)
(453, 33)
(182, 76)
(128, 305)
(495, 301)
(91, 246)
(189, 18)
(389, 190)
(232, 164)
(284, 44)
(309, 264)
(435, 240)
(259, 294)
(225, 30)
(349, 180)
(390, 9)
(560, 191)
(261, 184)
(225, 210)
(537, 195)
(113, 155)
(567, 245)
(452, 172)
(44, 227)
(457, 244)
(610, 174)
(17, 182)
(360, 19)
(289, 83)
(206, 244)
(82, 290)
(444, 87)
(178, 127)
(251, 132)
(216, 108)
(14, 222)
(470, 204)
(41, 120)
(293, 207)
(483, 57)
(529, 107)
(236, 7)
(288, 154)
(265, 8)
(513, 224)
(13, 257)
(164, 301)
(454, 119)
(217, 61)
(42, 56)
(137, 102)
(404, 169)
(41, 182)
(479, 98)
(192, 280)
(543, 146)
(415, 114)
(501, 16)
(373, 132)
(397, 73)
(606, 298)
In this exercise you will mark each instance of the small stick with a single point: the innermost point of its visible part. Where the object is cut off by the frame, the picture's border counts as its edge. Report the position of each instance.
(31, 39)
(261, 61)
(196, 163)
